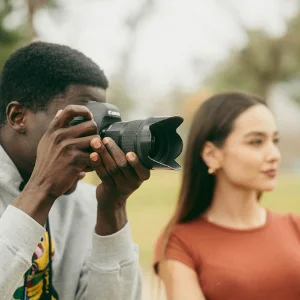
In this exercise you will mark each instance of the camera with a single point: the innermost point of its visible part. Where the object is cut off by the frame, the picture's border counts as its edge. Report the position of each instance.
(154, 140)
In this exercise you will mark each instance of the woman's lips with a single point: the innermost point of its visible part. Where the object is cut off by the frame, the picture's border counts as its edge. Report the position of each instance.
(270, 173)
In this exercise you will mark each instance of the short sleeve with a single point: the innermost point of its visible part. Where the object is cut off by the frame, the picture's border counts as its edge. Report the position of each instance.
(295, 220)
(176, 249)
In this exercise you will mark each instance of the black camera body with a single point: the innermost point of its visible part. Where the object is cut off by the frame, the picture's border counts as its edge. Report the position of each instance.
(154, 140)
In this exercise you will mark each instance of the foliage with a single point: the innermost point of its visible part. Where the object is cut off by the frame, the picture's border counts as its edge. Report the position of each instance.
(10, 39)
(13, 38)
(263, 62)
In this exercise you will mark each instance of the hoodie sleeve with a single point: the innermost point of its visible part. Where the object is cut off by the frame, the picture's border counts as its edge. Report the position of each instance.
(113, 268)
(19, 236)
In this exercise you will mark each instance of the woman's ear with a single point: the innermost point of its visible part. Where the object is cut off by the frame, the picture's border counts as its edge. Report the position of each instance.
(16, 116)
(211, 156)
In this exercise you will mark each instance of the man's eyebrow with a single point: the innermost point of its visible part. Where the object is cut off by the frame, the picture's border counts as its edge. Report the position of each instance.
(259, 133)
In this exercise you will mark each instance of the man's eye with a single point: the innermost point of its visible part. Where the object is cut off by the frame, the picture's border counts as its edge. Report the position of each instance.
(276, 141)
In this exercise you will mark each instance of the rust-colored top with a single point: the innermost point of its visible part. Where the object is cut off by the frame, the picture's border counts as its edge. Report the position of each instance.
(255, 264)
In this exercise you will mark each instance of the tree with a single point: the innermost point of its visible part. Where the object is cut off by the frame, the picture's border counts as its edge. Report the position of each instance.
(263, 62)
(33, 6)
(119, 91)
(11, 39)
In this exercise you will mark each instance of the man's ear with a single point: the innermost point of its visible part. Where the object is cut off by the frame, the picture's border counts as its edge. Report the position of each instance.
(211, 155)
(16, 116)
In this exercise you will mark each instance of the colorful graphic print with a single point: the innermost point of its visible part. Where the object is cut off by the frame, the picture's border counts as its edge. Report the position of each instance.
(37, 282)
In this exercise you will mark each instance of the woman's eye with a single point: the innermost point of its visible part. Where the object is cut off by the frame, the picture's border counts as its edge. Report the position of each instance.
(276, 141)
(256, 142)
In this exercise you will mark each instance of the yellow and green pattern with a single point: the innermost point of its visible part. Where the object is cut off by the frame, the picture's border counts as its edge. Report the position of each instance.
(38, 283)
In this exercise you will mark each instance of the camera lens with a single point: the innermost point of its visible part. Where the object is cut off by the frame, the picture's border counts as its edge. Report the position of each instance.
(160, 146)
(154, 140)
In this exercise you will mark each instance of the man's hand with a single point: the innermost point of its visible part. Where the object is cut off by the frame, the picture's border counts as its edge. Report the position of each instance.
(121, 175)
(62, 154)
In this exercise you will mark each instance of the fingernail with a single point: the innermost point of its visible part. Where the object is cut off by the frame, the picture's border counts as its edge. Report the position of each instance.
(131, 156)
(92, 116)
(58, 113)
(105, 141)
(94, 156)
(96, 143)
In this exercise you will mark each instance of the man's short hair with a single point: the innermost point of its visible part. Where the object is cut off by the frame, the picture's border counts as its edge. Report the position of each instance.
(36, 73)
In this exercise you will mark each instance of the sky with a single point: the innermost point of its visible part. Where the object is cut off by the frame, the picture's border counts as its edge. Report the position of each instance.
(176, 44)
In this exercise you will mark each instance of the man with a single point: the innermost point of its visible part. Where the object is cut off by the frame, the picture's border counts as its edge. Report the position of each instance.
(71, 241)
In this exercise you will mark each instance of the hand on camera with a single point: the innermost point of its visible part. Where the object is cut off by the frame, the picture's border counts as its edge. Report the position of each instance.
(120, 174)
(63, 152)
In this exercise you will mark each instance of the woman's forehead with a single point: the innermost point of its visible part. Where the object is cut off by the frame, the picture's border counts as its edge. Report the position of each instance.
(255, 119)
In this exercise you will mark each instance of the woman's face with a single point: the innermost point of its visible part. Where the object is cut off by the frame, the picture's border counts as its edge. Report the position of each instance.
(250, 155)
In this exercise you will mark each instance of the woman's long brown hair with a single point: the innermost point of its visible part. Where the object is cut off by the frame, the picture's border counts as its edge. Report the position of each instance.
(213, 122)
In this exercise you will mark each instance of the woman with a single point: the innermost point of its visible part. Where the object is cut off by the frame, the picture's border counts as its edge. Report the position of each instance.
(221, 243)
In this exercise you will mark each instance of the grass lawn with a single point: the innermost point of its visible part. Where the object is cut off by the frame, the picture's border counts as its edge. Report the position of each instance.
(150, 207)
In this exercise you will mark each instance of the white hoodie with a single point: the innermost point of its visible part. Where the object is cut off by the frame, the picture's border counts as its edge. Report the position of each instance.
(84, 265)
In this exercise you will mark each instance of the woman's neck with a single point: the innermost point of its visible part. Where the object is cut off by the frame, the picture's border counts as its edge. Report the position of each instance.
(235, 207)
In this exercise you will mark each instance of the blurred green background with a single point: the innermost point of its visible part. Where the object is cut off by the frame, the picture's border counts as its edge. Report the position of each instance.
(150, 207)
(165, 58)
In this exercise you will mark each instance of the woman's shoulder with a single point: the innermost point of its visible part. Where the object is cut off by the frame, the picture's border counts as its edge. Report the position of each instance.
(181, 235)
(284, 216)
(178, 243)
(286, 219)
(293, 218)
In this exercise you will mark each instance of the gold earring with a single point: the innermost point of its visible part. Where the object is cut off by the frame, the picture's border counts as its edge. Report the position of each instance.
(211, 171)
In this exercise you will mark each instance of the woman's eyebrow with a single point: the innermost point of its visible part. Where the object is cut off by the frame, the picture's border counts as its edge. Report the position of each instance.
(259, 133)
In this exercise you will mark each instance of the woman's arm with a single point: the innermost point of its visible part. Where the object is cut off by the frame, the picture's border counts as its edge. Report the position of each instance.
(181, 282)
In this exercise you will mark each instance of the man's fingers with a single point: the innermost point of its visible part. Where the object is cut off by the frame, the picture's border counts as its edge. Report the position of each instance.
(88, 169)
(112, 165)
(105, 166)
(64, 117)
(119, 157)
(142, 172)
(83, 143)
(86, 128)
(98, 166)
(81, 160)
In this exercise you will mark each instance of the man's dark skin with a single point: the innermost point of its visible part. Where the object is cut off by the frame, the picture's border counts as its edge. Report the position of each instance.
(52, 156)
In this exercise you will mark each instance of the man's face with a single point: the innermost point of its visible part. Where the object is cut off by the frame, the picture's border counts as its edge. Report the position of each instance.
(38, 123)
